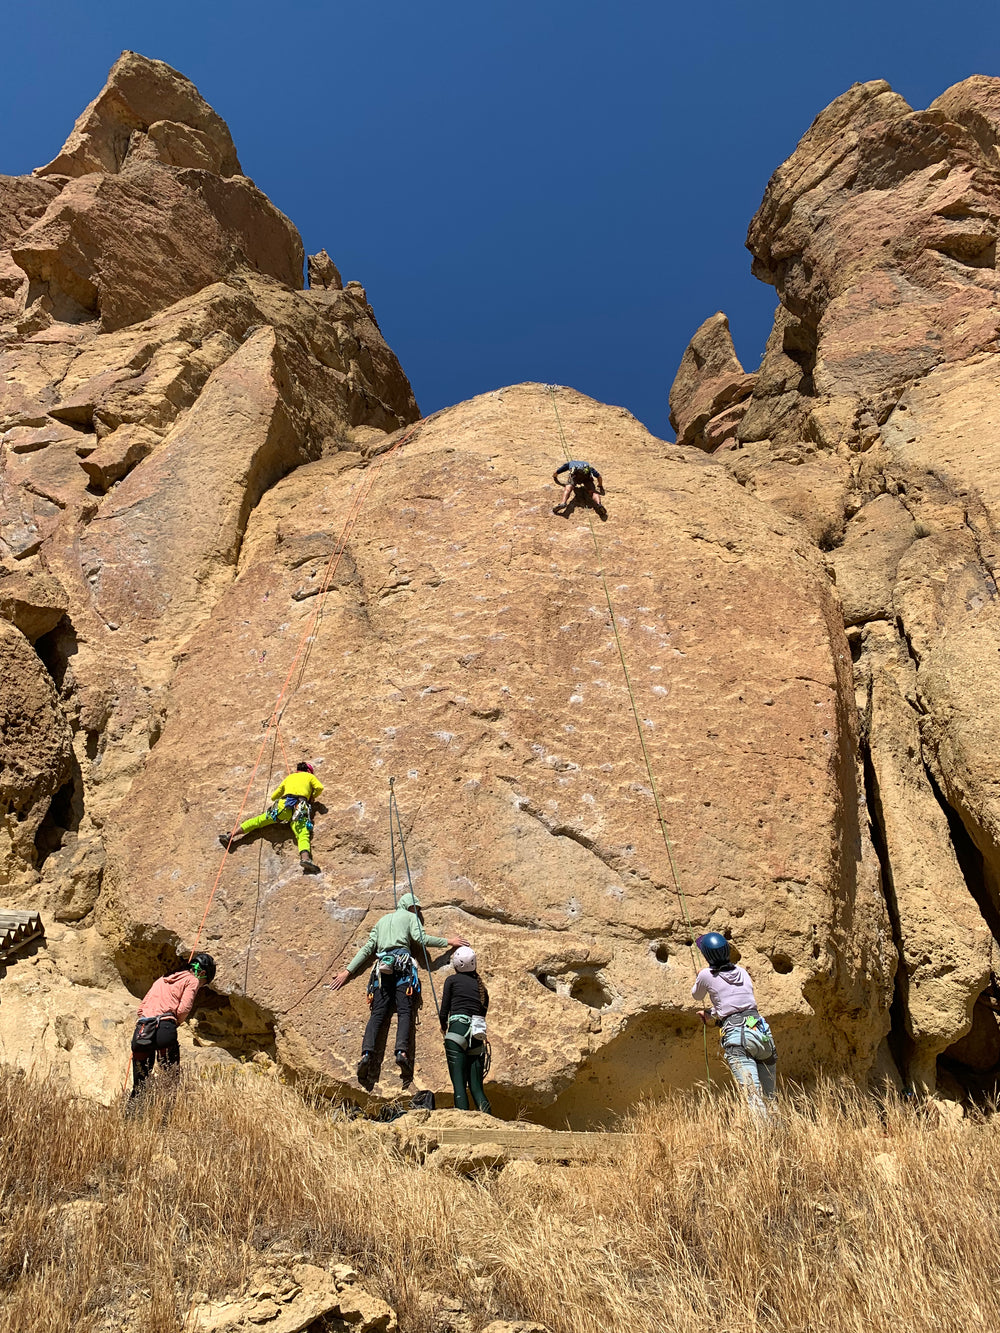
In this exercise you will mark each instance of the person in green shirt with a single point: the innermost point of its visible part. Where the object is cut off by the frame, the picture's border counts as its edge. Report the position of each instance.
(393, 986)
(291, 803)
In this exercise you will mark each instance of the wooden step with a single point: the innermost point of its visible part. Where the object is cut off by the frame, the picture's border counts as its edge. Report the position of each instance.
(554, 1144)
(18, 929)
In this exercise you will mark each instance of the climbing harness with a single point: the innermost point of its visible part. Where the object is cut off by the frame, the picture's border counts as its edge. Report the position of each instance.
(638, 725)
(756, 1039)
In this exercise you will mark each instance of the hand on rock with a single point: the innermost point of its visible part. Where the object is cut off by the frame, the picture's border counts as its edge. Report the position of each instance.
(341, 979)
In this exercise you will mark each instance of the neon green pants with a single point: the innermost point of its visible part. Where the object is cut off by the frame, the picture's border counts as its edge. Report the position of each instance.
(300, 827)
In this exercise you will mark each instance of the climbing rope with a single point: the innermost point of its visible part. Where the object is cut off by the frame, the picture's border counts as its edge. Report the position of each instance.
(661, 821)
(302, 650)
(395, 830)
(260, 862)
(394, 811)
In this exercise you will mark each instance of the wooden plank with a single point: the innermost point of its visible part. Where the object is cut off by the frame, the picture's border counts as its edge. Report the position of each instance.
(18, 929)
(537, 1142)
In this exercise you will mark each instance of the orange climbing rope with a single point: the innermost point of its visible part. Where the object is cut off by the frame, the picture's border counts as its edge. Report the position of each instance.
(302, 649)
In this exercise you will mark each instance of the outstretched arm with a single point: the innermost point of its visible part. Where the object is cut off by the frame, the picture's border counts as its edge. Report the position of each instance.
(364, 955)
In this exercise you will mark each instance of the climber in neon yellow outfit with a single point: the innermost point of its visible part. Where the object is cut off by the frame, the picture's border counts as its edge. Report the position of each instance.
(291, 803)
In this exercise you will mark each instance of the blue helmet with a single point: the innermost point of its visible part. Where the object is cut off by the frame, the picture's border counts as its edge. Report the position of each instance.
(714, 947)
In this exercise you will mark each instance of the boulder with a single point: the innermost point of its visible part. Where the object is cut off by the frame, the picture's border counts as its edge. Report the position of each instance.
(307, 1298)
(76, 1035)
(515, 1326)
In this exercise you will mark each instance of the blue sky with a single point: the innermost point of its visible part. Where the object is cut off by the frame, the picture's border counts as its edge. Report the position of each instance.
(556, 190)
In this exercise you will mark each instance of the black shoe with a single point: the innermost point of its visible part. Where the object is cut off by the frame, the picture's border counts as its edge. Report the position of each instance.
(364, 1066)
(224, 839)
(405, 1066)
(309, 868)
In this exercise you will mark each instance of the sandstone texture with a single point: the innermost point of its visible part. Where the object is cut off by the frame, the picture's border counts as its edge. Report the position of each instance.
(216, 493)
(466, 649)
(872, 421)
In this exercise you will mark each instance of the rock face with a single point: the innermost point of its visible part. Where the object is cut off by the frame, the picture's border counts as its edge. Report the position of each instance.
(466, 648)
(213, 494)
(873, 423)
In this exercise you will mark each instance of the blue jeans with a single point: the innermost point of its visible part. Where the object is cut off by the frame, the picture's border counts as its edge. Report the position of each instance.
(755, 1077)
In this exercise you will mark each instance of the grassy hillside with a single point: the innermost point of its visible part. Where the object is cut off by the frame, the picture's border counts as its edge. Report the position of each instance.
(849, 1215)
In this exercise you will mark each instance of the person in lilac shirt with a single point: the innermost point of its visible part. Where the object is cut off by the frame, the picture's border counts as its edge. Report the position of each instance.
(747, 1044)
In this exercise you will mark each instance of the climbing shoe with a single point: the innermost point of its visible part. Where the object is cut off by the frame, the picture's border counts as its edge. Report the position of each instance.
(224, 839)
(365, 1067)
(405, 1066)
(310, 868)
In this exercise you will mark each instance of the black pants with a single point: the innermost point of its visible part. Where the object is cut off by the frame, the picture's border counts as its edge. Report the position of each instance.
(165, 1050)
(387, 1000)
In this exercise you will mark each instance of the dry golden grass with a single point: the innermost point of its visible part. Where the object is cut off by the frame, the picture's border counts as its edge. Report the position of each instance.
(848, 1216)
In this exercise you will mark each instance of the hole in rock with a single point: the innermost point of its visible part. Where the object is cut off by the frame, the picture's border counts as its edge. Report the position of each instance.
(588, 988)
(63, 816)
(974, 1060)
(548, 982)
(56, 648)
(781, 963)
(661, 951)
(971, 862)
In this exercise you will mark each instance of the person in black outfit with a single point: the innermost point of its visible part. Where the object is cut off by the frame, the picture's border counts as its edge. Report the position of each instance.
(464, 1003)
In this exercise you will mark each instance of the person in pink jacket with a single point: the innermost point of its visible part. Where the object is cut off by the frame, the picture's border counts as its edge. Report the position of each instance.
(167, 1003)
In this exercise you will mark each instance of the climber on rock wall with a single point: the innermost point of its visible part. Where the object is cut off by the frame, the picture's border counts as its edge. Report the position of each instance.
(747, 1044)
(464, 1002)
(582, 480)
(167, 1003)
(393, 986)
(291, 803)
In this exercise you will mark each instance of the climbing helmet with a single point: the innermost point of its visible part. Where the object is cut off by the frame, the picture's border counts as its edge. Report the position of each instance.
(714, 947)
(203, 966)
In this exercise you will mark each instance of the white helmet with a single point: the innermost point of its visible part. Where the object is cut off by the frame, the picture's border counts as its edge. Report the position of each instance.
(464, 959)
